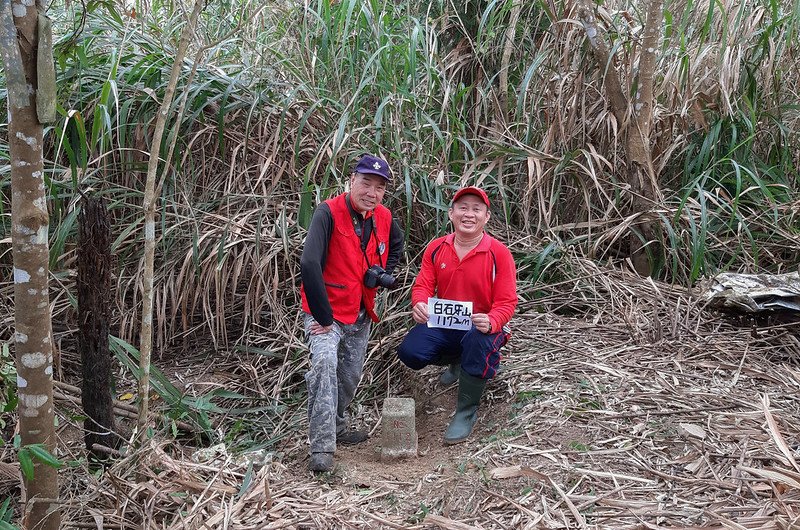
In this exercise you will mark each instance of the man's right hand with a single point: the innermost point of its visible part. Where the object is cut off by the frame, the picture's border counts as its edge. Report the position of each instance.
(420, 312)
(317, 329)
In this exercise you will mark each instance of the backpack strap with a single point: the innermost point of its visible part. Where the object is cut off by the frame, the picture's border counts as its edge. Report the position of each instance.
(435, 251)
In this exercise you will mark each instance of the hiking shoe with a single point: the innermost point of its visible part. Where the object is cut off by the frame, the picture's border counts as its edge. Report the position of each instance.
(450, 375)
(321, 462)
(351, 437)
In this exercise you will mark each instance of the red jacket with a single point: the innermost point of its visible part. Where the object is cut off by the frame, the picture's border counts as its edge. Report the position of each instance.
(345, 266)
(487, 277)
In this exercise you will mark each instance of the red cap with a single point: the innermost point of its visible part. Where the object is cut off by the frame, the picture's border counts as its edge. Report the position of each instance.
(472, 190)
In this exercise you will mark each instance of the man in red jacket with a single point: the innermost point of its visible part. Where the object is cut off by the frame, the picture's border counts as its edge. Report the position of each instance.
(467, 265)
(351, 249)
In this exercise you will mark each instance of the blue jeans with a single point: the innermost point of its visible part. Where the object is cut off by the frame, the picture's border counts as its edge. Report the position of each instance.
(478, 352)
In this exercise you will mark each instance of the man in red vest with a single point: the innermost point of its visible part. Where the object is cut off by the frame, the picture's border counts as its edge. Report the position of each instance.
(351, 249)
(467, 265)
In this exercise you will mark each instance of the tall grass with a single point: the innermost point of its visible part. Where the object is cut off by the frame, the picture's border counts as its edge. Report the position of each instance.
(285, 96)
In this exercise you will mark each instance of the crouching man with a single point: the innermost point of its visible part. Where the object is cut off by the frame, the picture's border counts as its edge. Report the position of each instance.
(467, 265)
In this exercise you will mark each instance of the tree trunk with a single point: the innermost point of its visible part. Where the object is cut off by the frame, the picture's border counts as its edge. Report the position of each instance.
(634, 123)
(94, 288)
(146, 335)
(641, 174)
(29, 235)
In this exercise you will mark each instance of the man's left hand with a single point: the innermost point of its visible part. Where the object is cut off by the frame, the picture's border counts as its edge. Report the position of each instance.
(319, 329)
(482, 322)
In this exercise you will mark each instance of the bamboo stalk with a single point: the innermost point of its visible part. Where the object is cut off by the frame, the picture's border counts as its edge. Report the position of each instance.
(149, 207)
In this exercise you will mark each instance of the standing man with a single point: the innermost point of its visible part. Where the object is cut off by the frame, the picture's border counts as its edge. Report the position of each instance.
(351, 248)
(467, 265)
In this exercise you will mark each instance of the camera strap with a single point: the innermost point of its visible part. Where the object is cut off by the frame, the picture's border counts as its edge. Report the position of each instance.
(367, 232)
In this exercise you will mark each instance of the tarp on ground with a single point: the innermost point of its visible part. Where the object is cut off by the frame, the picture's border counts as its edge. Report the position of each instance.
(753, 293)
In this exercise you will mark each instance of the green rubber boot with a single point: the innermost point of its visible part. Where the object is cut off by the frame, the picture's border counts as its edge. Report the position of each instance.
(469, 396)
(450, 375)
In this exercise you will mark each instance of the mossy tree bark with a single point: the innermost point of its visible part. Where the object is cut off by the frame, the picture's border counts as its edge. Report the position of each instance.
(19, 43)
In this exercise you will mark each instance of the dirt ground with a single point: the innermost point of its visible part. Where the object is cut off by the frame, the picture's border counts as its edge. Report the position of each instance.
(435, 404)
(583, 432)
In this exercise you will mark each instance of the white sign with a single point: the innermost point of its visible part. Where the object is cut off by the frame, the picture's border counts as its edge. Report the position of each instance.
(450, 314)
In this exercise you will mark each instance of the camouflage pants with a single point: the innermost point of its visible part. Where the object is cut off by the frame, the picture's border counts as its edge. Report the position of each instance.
(337, 362)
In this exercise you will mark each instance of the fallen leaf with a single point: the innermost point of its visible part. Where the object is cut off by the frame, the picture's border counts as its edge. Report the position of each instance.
(516, 471)
(692, 430)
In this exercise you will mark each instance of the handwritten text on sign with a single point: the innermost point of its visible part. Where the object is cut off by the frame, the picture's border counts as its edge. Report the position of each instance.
(450, 314)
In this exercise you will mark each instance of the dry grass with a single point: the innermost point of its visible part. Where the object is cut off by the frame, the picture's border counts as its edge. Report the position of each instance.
(639, 410)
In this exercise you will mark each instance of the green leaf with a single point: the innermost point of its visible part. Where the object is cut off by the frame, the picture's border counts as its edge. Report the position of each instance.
(45, 456)
(248, 478)
(25, 463)
(4, 514)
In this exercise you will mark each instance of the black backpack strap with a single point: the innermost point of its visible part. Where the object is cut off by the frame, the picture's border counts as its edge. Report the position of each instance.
(435, 251)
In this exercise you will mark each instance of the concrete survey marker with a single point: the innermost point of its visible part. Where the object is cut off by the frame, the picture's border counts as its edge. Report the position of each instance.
(399, 429)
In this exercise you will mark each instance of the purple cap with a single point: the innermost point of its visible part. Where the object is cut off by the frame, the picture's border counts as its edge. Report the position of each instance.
(372, 165)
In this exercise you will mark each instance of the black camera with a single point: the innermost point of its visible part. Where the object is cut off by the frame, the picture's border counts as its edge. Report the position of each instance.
(376, 276)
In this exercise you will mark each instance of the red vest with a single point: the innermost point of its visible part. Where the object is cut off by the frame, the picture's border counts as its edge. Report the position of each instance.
(345, 265)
